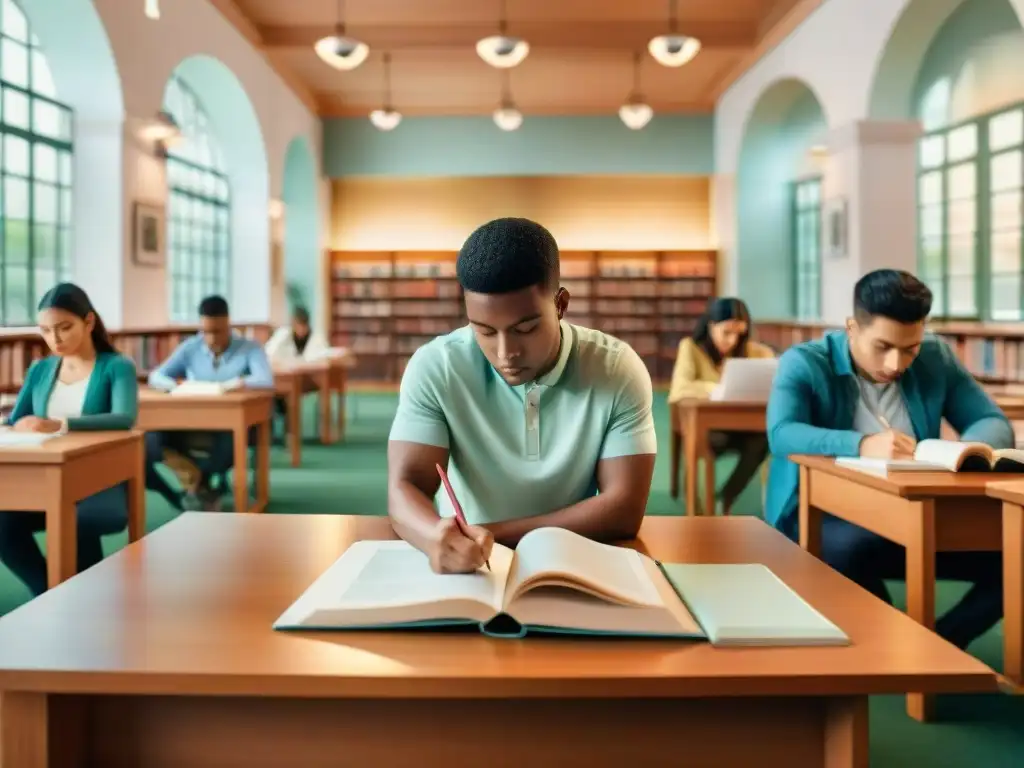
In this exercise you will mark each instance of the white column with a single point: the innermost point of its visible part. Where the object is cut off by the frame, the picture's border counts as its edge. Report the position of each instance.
(871, 172)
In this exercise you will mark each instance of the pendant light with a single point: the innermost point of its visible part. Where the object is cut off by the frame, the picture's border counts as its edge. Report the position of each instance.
(636, 112)
(507, 116)
(673, 49)
(502, 50)
(386, 118)
(339, 50)
(153, 9)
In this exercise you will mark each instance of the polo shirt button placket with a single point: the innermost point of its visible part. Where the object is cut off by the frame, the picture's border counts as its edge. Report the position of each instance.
(533, 423)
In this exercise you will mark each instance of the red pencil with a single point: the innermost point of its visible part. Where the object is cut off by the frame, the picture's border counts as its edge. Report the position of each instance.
(460, 517)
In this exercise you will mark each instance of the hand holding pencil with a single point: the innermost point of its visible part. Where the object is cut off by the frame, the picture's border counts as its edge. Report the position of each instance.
(459, 547)
(890, 444)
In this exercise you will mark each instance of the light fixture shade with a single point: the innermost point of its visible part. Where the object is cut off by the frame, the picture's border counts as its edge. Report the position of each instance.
(673, 50)
(153, 9)
(275, 208)
(341, 52)
(636, 114)
(385, 119)
(502, 51)
(508, 118)
(163, 129)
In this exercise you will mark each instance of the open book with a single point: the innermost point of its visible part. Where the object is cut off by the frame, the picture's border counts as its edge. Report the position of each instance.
(944, 456)
(554, 581)
(190, 387)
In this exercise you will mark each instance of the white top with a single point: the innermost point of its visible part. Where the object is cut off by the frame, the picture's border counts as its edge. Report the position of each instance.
(281, 347)
(66, 400)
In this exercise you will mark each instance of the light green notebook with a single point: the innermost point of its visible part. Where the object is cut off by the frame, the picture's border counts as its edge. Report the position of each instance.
(748, 605)
(554, 581)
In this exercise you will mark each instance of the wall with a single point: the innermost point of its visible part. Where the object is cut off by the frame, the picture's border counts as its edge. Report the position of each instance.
(144, 53)
(555, 146)
(583, 212)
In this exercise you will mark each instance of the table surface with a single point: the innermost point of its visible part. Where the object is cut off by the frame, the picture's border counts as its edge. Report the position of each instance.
(235, 397)
(697, 402)
(911, 485)
(189, 608)
(1010, 490)
(58, 450)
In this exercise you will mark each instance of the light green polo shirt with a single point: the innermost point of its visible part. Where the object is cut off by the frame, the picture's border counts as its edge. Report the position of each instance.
(519, 451)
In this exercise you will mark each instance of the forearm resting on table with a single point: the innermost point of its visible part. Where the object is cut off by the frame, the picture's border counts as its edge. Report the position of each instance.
(412, 513)
(605, 517)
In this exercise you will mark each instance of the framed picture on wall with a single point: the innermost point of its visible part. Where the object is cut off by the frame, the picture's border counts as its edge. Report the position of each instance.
(835, 225)
(149, 229)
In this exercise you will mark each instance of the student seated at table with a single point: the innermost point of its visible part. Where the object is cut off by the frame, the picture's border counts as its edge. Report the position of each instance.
(294, 343)
(874, 390)
(539, 422)
(83, 386)
(214, 354)
(723, 331)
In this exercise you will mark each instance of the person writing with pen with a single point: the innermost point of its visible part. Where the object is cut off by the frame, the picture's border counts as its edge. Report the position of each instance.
(874, 390)
(539, 422)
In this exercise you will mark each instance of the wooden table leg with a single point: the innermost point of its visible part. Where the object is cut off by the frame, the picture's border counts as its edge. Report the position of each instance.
(61, 532)
(137, 495)
(341, 392)
(675, 446)
(1013, 592)
(325, 395)
(295, 419)
(263, 466)
(846, 733)
(240, 436)
(810, 517)
(40, 731)
(690, 471)
(704, 443)
(921, 591)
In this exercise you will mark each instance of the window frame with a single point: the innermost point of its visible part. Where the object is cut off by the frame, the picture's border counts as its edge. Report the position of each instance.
(62, 182)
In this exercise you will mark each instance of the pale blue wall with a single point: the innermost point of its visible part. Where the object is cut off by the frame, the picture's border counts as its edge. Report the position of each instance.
(302, 228)
(543, 146)
(784, 125)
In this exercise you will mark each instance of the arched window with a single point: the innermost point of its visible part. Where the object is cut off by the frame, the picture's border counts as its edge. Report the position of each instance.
(199, 210)
(35, 172)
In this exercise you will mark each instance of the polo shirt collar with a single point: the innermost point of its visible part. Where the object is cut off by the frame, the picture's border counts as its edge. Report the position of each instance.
(839, 347)
(565, 350)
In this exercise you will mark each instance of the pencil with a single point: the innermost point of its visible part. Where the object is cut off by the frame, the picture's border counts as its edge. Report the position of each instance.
(460, 517)
(884, 422)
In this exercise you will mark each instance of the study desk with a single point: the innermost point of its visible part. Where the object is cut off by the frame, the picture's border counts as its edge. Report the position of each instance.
(327, 377)
(163, 655)
(233, 412)
(1011, 493)
(51, 478)
(692, 421)
(925, 512)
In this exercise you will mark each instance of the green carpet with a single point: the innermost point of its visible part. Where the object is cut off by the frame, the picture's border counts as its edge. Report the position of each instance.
(973, 730)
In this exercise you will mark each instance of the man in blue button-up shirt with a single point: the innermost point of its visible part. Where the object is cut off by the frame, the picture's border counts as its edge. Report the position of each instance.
(875, 390)
(215, 354)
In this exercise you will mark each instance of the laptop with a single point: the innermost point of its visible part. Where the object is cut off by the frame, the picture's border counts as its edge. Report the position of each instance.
(746, 379)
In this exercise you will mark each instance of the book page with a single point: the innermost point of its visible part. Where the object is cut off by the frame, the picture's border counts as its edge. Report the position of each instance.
(557, 557)
(954, 455)
(10, 438)
(1008, 460)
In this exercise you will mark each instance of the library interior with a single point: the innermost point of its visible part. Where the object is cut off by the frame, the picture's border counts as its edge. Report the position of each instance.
(254, 257)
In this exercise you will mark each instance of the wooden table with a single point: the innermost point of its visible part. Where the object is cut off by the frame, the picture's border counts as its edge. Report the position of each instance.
(925, 512)
(1011, 493)
(328, 377)
(692, 420)
(164, 656)
(233, 412)
(53, 477)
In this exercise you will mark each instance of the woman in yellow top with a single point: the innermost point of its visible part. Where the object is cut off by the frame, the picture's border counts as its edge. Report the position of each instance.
(723, 331)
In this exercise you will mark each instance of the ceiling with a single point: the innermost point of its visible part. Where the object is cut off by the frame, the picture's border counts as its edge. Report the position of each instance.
(580, 61)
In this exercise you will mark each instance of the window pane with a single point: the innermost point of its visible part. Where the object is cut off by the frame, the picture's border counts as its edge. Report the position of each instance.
(1006, 211)
(47, 119)
(15, 199)
(15, 242)
(933, 151)
(961, 296)
(42, 78)
(931, 221)
(961, 255)
(963, 142)
(45, 202)
(14, 22)
(1006, 296)
(930, 188)
(931, 256)
(1007, 170)
(16, 296)
(1006, 130)
(45, 168)
(962, 217)
(1006, 256)
(961, 181)
(16, 108)
(14, 62)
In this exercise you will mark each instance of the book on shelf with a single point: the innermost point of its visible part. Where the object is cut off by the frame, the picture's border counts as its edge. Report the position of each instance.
(556, 581)
(943, 456)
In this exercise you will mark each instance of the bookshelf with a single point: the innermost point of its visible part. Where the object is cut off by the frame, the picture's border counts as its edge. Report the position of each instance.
(386, 304)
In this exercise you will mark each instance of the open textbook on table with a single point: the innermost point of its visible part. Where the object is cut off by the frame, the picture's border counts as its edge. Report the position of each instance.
(943, 456)
(557, 581)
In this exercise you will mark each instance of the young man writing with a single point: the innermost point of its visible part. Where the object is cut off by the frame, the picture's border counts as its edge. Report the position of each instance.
(540, 422)
(875, 390)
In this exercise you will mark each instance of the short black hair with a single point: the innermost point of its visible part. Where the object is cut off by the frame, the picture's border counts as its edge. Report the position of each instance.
(213, 306)
(507, 255)
(891, 293)
(301, 314)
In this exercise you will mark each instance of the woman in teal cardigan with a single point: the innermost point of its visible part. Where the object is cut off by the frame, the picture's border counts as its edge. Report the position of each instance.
(84, 386)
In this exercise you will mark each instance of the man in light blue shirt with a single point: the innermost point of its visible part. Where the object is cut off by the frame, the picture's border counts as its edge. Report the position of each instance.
(215, 354)
(539, 422)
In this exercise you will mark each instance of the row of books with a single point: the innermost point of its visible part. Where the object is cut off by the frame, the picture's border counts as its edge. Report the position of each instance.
(435, 308)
